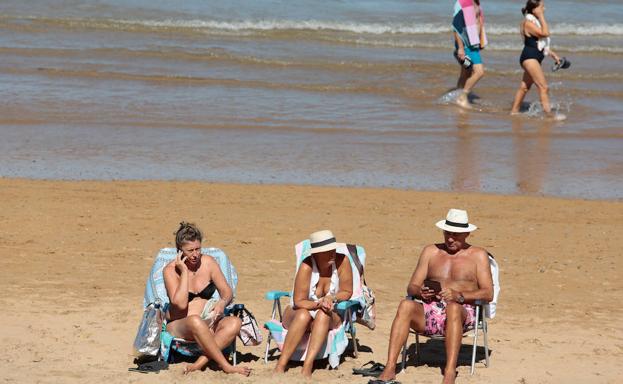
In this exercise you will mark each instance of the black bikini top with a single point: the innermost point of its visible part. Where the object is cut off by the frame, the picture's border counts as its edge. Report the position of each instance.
(206, 293)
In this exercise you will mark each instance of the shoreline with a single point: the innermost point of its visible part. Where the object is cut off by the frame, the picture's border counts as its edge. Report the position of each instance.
(77, 255)
(536, 195)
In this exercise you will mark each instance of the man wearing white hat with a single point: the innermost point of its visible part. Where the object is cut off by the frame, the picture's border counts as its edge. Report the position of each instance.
(449, 277)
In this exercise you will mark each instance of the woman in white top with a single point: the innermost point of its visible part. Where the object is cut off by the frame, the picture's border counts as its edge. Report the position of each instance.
(321, 281)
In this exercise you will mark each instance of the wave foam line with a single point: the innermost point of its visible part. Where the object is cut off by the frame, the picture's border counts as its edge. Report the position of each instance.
(320, 25)
(370, 28)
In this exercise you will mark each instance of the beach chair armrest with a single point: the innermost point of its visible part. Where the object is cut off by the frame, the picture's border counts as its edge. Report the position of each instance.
(276, 295)
(344, 305)
(481, 302)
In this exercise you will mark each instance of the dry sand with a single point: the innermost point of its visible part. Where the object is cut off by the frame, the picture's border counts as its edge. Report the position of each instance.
(75, 256)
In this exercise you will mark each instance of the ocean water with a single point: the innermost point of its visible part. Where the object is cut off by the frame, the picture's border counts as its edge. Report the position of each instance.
(329, 92)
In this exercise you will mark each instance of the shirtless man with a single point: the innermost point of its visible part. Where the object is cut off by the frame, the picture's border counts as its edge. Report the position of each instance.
(465, 276)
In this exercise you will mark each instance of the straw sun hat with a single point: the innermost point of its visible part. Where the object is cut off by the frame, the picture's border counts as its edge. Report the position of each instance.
(456, 221)
(322, 241)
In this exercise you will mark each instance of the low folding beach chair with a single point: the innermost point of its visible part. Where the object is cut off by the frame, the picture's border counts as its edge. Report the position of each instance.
(484, 310)
(337, 341)
(155, 292)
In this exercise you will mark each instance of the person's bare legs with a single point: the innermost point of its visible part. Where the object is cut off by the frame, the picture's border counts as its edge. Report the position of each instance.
(460, 84)
(194, 328)
(318, 336)
(477, 72)
(296, 322)
(225, 332)
(524, 87)
(455, 317)
(533, 67)
(410, 314)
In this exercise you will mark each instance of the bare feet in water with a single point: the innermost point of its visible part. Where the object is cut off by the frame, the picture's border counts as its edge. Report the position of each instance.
(463, 102)
(557, 116)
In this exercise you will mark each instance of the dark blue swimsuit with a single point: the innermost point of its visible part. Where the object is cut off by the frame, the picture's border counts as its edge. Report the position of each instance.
(531, 50)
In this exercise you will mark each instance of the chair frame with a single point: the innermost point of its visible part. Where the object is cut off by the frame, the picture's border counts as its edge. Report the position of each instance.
(347, 307)
(481, 324)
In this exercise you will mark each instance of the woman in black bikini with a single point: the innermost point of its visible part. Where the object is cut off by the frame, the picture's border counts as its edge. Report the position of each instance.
(531, 56)
(191, 281)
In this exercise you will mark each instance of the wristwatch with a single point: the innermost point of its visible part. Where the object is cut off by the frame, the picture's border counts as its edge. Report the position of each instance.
(461, 299)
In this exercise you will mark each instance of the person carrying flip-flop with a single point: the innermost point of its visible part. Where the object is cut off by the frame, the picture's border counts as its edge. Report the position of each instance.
(469, 40)
(535, 32)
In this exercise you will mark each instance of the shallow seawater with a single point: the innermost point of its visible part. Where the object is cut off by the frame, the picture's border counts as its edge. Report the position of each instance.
(325, 92)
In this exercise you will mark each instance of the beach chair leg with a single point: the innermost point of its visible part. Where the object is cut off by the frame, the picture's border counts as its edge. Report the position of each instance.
(417, 348)
(475, 342)
(348, 315)
(403, 367)
(267, 348)
(234, 352)
(484, 334)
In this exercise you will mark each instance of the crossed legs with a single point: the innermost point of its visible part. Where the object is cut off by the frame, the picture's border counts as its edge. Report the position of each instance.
(211, 342)
(410, 314)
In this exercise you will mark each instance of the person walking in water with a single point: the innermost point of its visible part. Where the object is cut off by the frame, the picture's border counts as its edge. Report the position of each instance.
(469, 40)
(535, 32)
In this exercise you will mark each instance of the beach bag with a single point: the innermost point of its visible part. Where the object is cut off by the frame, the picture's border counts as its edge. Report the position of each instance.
(249, 331)
(147, 340)
(367, 315)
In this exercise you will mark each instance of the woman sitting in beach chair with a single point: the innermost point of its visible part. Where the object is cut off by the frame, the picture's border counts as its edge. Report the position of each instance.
(191, 281)
(321, 281)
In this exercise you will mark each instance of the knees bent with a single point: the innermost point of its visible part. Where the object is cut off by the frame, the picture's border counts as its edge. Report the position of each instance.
(302, 315)
(453, 311)
(406, 307)
(524, 87)
(195, 323)
(232, 324)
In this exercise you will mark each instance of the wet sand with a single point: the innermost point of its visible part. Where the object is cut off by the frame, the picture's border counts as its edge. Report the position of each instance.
(76, 256)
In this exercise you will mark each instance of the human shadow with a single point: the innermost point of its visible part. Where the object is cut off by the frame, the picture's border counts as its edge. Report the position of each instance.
(433, 354)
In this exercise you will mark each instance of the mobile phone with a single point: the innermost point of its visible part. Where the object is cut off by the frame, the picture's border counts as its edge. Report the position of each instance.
(433, 285)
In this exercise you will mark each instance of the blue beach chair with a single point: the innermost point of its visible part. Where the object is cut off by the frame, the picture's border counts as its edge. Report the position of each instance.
(155, 292)
(337, 340)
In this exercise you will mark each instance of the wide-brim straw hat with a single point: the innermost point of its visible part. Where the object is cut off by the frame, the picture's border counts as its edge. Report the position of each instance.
(456, 221)
(322, 241)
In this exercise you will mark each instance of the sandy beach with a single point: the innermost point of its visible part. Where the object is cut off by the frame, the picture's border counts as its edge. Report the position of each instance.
(76, 256)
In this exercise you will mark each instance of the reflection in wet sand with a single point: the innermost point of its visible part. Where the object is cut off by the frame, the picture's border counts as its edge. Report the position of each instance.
(466, 176)
(532, 155)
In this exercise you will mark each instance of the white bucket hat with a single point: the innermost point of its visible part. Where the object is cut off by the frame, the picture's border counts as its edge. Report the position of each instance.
(322, 241)
(456, 221)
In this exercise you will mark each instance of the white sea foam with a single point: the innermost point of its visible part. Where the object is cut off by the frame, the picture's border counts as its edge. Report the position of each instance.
(276, 25)
(367, 28)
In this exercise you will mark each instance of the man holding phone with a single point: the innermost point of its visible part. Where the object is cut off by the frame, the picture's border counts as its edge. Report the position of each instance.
(449, 276)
